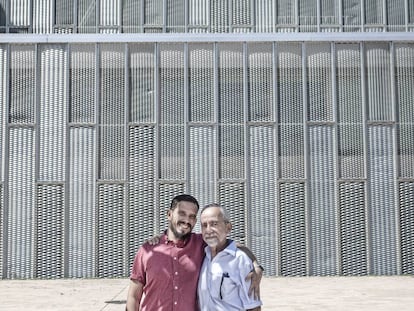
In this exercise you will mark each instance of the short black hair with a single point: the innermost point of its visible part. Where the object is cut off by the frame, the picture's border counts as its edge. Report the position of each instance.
(183, 197)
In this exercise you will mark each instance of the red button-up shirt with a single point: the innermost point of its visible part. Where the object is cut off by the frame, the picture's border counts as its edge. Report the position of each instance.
(169, 272)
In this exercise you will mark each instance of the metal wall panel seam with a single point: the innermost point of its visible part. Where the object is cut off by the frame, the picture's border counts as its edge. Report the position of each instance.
(366, 159)
(335, 143)
(384, 15)
(66, 182)
(276, 155)
(247, 148)
(394, 108)
(216, 118)
(36, 135)
(97, 154)
(306, 163)
(208, 37)
(157, 134)
(164, 15)
(406, 15)
(97, 17)
(318, 15)
(5, 64)
(126, 155)
(186, 121)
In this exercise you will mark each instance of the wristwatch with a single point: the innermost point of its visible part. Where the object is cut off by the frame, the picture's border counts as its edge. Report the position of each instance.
(258, 266)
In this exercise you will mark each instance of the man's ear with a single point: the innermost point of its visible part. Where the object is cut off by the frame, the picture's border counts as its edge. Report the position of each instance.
(228, 227)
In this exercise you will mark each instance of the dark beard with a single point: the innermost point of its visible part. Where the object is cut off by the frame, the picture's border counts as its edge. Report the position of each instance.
(177, 234)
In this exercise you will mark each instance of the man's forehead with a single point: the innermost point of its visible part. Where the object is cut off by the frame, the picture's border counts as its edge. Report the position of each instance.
(184, 205)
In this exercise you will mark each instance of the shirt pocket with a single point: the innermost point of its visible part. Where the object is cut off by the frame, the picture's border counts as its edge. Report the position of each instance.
(228, 287)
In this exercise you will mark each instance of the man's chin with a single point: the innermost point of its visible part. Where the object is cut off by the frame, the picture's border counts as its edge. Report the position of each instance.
(212, 244)
(183, 235)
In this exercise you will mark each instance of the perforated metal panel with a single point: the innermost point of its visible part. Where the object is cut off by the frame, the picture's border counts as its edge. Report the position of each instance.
(379, 82)
(142, 82)
(203, 164)
(53, 112)
(111, 260)
(20, 227)
(176, 15)
(322, 209)
(232, 197)
(406, 193)
(404, 63)
(261, 82)
(86, 16)
(231, 111)
(308, 15)
(82, 212)
(3, 106)
(22, 84)
(353, 228)
(142, 176)
(264, 15)
(82, 83)
(49, 231)
(112, 112)
(173, 113)
(319, 82)
(109, 16)
(42, 15)
(201, 91)
(263, 207)
(350, 111)
(382, 212)
(293, 228)
(291, 111)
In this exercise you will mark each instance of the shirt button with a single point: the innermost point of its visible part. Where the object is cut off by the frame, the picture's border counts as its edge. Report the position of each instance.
(175, 258)
(175, 302)
(176, 273)
(175, 287)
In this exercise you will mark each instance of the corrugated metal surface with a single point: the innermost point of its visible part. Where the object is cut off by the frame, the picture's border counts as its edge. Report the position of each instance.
(293, 235)
(406, 193)
(20, 260)
(263, 195)
(353, 229)
(81, 215)
(50, 230)
(382, 196)
(53, 113)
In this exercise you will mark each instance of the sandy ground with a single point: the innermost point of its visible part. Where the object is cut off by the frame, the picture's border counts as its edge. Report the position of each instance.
(391, 293)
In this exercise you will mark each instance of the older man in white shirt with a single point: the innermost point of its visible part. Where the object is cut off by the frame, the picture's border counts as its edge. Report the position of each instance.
(222, 284)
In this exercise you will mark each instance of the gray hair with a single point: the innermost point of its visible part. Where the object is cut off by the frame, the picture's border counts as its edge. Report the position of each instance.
(223, 211)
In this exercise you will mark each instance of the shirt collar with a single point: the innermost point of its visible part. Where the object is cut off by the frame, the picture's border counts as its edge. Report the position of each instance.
(231, 249)
(179, 243)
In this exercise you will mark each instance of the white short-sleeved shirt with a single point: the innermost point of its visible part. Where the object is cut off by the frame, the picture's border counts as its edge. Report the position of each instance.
(222, 284)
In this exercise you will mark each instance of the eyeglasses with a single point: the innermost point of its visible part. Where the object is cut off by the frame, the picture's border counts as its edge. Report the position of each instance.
(225, 275)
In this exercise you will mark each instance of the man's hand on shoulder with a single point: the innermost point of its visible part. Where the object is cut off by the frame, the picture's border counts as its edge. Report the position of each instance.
(154, 240)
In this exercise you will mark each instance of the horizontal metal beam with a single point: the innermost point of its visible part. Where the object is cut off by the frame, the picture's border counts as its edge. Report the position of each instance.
(209, 37)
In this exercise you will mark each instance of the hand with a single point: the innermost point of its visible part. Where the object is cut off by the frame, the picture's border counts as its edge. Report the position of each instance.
(255, 276)
(154, 240)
